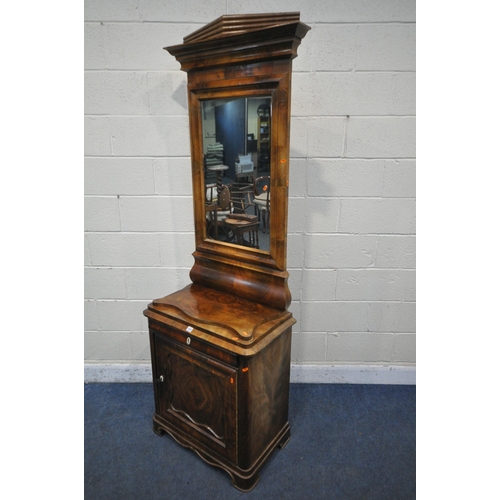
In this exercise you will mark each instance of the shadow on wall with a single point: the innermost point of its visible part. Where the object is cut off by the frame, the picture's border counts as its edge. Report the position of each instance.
(180, 96)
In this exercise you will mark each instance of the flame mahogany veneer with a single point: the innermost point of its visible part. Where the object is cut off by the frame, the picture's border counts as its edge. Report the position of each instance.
(220, 347)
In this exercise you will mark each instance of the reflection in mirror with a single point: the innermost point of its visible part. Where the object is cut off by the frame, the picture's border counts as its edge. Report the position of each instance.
(236, 150)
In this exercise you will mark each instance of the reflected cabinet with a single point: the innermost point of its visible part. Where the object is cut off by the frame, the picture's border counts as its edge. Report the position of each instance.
(220, 347)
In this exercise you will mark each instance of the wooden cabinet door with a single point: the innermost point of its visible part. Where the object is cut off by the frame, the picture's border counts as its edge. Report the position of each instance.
(197, 395)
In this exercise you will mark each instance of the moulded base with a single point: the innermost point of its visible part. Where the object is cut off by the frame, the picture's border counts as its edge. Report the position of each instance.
(243, 480)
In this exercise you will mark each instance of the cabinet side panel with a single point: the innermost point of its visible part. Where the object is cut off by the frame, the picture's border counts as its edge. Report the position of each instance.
(265, 393)
(154, 367)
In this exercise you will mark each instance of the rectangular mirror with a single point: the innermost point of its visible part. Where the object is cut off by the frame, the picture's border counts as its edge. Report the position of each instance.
(237, 170)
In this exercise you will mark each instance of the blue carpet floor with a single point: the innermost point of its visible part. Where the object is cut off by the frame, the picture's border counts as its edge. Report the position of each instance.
(349, 442)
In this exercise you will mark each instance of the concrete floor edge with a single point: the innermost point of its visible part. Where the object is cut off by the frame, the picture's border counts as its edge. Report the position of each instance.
(109, 372)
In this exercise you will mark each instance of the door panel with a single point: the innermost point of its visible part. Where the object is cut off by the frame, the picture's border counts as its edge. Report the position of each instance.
(198, 395)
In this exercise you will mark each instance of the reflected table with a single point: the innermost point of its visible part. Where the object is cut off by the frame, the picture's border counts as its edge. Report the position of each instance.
(241, 225)
(218, 169)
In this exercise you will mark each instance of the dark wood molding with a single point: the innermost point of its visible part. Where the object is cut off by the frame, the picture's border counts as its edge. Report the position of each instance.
(237, 24)
(234, 40)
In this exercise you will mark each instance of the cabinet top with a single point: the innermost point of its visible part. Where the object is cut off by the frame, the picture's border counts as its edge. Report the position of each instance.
(232, 319)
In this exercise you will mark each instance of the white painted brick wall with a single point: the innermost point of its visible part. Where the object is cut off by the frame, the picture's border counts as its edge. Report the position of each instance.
(351, 245)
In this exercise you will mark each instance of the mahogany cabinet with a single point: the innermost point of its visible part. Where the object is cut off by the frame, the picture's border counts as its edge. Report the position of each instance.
(220, 348)
(224, 397)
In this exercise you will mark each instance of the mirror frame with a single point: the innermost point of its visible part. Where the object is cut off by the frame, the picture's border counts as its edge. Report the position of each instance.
(277, 239)
(243, 56)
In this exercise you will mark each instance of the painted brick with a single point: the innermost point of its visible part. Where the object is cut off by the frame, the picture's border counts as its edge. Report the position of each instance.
(308, 347)
(122, 315)
(116, 92)
(168, 93)
(333, 46)
(404, 94)
(148, 283)
(139, 344)
(405, 348)
(341, 177)
(150, 136)
(302, 103)
(375, 284)
(303, 63)
(140, 46)
(333, 10)
(319, 284)
(351, 93)
(107, 346)
(101, 213)
(86, 252)
(156, 213)
(359, 347)
(339, 251)
(322, 215)
(97, 136)
(90, 315)
(364, 11)
(176, 249)
(327, 316)
(119, 176)
(298, 137)
(123, 250)
(298, 174)
(295, 309)
(381, 137)
(295, 281)
(95, 46)
(371, 215)
(326, 137)
(296, 215)
(295, 251)
(184, 279)
(396, 252)
(105, 283)
(112, 10)
(395, 317)
(173, 176)
(389, 47)
(152, 10)
(400, 179)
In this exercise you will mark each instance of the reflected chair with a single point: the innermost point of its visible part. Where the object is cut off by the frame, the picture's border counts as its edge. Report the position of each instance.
(262, 199)
(217, 208)
(241, 197)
